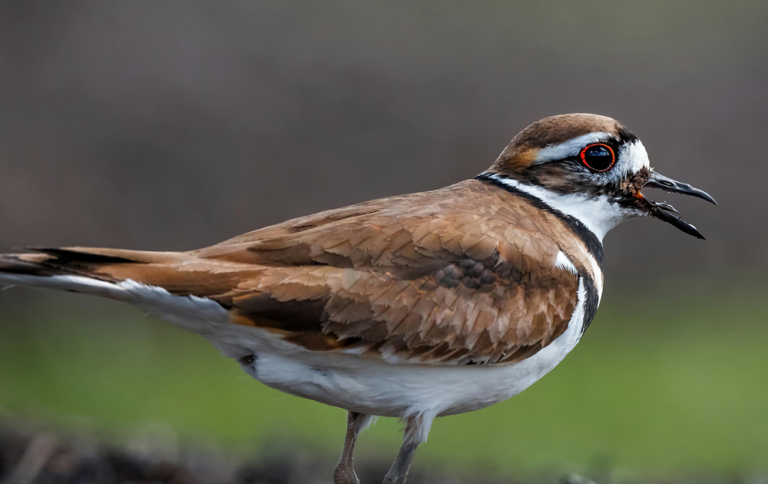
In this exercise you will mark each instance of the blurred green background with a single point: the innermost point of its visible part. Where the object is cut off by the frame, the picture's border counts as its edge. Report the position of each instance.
(173, 125)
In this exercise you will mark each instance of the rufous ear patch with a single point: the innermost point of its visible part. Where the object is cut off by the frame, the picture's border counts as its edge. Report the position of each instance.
(516, 160)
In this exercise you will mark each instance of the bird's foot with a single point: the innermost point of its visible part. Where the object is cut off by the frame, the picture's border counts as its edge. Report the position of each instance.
(391, 478)
(344, 474)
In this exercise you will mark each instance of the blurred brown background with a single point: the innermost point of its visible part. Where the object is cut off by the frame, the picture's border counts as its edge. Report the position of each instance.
(173, 125)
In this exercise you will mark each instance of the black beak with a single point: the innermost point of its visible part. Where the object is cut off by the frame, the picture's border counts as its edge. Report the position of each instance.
(664, 210)
(657, 180)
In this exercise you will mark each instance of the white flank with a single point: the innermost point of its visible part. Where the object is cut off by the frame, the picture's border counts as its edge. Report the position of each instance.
(190, 312)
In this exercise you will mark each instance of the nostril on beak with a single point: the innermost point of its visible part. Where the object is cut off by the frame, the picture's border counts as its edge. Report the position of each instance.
(666, 183)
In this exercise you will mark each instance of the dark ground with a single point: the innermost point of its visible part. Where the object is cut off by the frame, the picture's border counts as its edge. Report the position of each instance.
(39, 457)
(30, 456)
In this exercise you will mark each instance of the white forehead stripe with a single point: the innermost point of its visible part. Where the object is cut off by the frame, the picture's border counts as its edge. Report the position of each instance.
(633, 157)
(571, 147)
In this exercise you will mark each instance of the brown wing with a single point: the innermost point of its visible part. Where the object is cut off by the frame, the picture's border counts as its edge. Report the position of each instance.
(461, 275)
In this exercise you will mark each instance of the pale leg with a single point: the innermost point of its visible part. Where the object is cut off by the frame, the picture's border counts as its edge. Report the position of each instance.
(345, 472)
(415, 433)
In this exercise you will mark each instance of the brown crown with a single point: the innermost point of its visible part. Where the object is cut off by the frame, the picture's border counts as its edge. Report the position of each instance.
(522, 150)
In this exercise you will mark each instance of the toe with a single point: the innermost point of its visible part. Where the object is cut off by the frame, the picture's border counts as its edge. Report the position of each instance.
(345, 475)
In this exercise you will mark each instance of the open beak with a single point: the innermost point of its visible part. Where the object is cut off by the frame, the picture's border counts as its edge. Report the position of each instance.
(665, 211)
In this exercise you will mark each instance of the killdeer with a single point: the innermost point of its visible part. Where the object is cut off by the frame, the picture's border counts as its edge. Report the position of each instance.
(414, 306)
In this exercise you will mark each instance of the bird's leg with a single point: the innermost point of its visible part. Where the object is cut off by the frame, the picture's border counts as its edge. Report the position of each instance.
(345, 472)
(398, 473)
(416, 430)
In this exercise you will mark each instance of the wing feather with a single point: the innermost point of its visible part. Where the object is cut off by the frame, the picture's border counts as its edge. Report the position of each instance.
(444, 284)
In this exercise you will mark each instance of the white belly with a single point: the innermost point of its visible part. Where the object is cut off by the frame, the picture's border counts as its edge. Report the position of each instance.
(374, 387)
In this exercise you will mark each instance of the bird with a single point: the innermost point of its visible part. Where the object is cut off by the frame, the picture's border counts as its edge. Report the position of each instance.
(415, 306)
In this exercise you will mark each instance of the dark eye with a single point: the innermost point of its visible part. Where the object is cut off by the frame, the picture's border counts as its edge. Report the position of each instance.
(598, 157)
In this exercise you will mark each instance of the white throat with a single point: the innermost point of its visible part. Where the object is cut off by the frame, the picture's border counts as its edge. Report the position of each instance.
(598, 215)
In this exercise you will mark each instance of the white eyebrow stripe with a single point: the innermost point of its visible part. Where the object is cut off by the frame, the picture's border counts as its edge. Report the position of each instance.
(571, 147)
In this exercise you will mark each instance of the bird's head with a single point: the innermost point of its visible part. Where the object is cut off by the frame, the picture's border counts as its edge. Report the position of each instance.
(589, 167)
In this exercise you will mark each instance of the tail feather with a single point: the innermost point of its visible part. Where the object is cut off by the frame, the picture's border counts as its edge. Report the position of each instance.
(79, 254)
(27, 264)
(72, 269)
(154, 281)
(27, 274)
(87, 270)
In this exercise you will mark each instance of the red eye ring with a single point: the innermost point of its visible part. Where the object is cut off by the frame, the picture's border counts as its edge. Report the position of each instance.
(583, 155)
